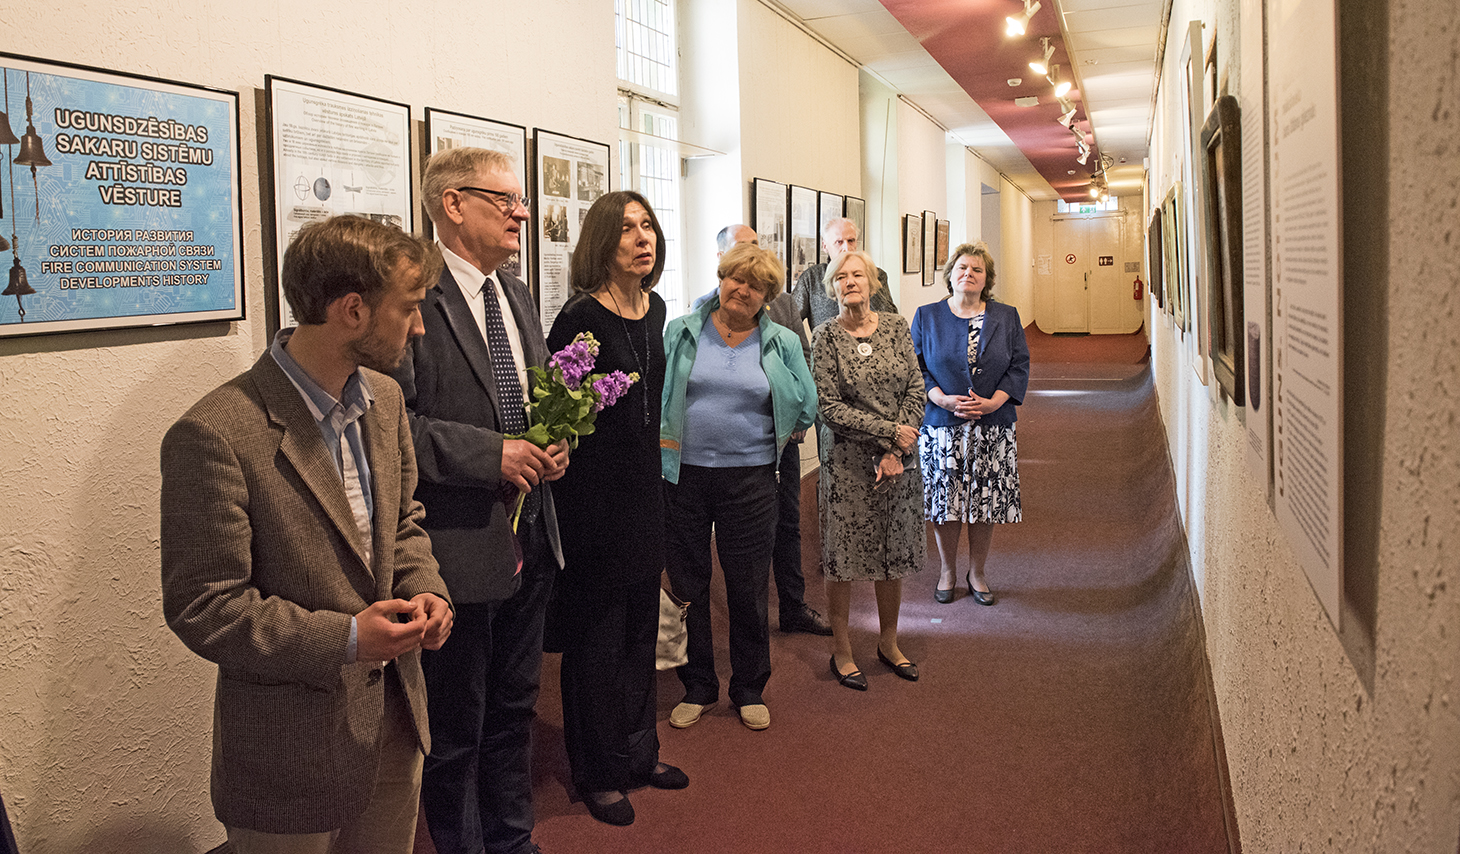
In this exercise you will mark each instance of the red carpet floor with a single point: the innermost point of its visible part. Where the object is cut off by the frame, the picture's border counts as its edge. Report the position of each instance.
(1076, 715)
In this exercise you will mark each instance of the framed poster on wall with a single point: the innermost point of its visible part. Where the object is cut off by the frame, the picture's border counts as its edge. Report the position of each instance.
(120, 202)
(569, 174)
(1222, 144)
(829, 207)
(769, 201)
(912, 243)
(940, 252)
(855, 210)
(803, 232)
(333, 152)
(930, 247)
(446, 130)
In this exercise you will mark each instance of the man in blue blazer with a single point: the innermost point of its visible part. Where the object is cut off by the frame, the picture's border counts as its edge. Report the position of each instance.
(464, 384)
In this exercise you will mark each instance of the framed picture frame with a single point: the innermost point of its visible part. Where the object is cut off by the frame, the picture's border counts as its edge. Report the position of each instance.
(569, 174)
(332, 152)
(1154, 264)
(1221, 140)
(803, 218)
(1175, 274)
(121, 202)
(930, 247)
(912, 243)
(855, 209)
(828, 208)
(769, 205)
(445, 130)
(940, 251)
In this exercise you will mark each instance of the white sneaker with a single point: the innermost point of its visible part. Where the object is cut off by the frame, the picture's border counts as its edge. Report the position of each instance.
(687, 714)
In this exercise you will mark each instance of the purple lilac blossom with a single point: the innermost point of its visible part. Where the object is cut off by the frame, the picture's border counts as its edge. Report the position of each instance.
(576, 359)
(610, 388)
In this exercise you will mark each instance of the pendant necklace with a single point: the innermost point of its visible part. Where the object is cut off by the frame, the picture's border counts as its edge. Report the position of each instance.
(643, 374)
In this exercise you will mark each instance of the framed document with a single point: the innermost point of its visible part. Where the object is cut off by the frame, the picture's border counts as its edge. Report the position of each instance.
(1221, 141)
(940, 252)
(803, 232)
(912, 244)
(769, 203)
(856, 211)
(930, 247)
(569, 174)
(828, 208)
(120, 201)
(333, 152)
(445, 130)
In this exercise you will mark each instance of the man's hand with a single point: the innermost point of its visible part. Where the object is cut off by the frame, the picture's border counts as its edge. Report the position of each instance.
(524, 464)
(559, 455)
(378, 635)
(439, 619)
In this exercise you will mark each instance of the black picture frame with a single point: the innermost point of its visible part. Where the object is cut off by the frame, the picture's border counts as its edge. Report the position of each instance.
(940, 252)
(930, 245)
(828, 207)
(87, 252)
(802, 215)
(1171, 246)
(912, 243)
(560, 164)
(1154, 264)
(855, 209)
(770, 203)
(1221, 140)
(446, 129)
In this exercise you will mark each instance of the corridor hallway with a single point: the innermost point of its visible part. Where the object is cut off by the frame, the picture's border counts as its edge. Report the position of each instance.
(1076, 715)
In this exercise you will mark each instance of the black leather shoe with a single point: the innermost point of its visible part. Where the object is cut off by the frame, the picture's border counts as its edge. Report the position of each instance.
(943, 597)
(982, 597)
(619, 813)
(906, 670)
(805, 619)
(669, 778)
(854, 680)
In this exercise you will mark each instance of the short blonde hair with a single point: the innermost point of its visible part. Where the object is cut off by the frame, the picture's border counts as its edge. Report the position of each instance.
(757, 267)
(840, 261)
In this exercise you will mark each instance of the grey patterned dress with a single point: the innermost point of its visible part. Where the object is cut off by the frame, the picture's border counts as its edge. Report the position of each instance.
(866, 387)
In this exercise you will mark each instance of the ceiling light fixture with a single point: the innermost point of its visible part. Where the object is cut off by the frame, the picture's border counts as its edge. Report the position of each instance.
(1016, 25)
(1041, 65)
(1061, 87)
(1067, 118)
(1084, 156)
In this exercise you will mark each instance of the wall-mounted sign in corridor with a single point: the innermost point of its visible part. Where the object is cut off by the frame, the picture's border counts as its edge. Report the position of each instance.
(1070, 258)
(1107, 260)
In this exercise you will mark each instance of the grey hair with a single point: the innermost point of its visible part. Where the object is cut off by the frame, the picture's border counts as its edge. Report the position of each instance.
(839, 220)
(457, 167)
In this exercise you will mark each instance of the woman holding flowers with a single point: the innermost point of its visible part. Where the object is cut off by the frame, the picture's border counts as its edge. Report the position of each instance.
(736, 389)
(611, 513)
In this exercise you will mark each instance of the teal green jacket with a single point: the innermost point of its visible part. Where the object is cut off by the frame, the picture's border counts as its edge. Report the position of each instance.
(793, 392)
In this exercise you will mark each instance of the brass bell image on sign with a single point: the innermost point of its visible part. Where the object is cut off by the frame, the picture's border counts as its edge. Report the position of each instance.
(19, 287)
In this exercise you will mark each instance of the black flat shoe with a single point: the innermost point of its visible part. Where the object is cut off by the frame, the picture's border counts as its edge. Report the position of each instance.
(620, 813)
(854, 680)
(906, 670)
(943, 597)
(669, 778)
(982, 597)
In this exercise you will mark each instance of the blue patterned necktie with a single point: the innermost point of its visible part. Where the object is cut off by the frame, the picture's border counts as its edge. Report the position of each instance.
(509, 387)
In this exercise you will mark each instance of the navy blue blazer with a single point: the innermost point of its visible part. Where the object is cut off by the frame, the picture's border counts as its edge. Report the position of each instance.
(940, 339)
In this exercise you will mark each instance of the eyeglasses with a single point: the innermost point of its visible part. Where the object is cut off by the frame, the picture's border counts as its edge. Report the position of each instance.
(497, 196)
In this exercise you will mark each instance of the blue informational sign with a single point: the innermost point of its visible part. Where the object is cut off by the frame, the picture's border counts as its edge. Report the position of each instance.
(119, 199)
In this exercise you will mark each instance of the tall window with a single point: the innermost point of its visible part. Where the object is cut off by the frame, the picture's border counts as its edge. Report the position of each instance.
(649, 116)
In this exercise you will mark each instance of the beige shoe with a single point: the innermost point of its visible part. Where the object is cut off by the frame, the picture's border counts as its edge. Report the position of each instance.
(687, 714)
(755, 717)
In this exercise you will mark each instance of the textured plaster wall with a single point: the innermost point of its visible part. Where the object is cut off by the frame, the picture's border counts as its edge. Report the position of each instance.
(1318, 761)
(105, 718)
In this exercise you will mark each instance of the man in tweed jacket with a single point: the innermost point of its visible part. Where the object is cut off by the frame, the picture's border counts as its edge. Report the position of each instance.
(293, 558)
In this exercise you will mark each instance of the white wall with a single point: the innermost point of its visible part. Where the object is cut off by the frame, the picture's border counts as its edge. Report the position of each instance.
(1319, 760)
(105, 718)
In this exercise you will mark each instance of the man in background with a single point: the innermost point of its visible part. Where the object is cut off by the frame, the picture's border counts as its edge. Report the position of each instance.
(809, 295)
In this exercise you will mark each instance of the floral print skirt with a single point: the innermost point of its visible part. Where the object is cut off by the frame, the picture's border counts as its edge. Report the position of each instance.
(970, 473)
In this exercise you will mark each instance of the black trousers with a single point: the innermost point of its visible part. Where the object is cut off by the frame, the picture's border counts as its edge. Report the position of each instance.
(739, 506)
(609, 684)
(786, 555)
(481, 689)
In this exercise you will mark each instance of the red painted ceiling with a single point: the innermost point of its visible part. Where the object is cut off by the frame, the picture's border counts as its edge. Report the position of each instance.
(967, 38)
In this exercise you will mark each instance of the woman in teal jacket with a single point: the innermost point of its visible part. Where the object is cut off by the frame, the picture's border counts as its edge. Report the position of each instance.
(736, 389)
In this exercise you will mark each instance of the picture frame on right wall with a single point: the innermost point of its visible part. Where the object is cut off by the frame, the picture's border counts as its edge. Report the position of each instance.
(855, 209)
(912, 244)
(930, 241)
(1221, 141)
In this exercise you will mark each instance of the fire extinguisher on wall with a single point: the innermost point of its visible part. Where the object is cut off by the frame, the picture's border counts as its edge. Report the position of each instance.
(1139, 286)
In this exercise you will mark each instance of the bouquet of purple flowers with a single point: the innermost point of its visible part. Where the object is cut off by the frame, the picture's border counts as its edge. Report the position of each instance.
(567, 397)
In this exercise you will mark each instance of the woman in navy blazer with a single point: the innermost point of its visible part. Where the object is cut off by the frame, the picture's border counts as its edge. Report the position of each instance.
(976, 369)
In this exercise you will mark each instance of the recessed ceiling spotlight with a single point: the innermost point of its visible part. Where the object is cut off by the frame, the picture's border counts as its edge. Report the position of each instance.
(1072, 172)
(1015, 25)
